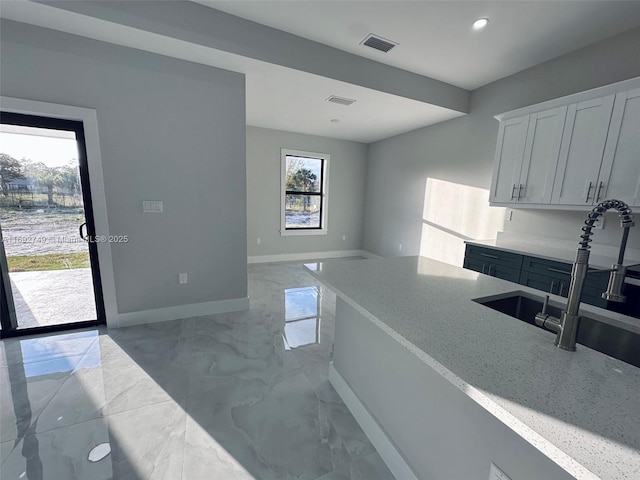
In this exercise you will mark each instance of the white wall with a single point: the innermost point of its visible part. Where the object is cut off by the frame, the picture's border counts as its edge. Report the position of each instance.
(169, 130)
(458, 158)
(347, 173)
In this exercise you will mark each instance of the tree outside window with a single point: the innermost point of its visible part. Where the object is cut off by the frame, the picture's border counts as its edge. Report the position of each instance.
(304, 192)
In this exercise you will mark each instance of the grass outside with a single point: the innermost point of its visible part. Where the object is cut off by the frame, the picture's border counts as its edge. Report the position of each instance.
(52, 261)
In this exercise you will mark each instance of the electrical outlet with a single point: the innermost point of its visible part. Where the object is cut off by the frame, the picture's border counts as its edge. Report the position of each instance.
(183, 279)
(599, 223)
(496, 474)
(259, 241)
(344, 237)
(400, 247)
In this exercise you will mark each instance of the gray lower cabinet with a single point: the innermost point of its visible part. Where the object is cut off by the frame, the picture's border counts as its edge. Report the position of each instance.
(555, 277)
(546, 275)
(496, 263)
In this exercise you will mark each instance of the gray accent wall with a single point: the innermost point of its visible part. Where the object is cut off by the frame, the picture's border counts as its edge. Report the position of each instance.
(347, 174)
(425, 187)
(169, 130)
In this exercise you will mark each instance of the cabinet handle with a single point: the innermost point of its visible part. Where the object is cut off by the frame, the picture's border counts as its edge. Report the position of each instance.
(520, 189)
(589, 191)
(599, 191)
(484, 266)
(553, 286)
(489, 256)
(557, 270)
(489, 270)
(561, 289)
(513, 192)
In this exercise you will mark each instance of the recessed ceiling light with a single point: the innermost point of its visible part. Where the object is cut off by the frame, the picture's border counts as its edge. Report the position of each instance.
(335, 120)
(480, 23)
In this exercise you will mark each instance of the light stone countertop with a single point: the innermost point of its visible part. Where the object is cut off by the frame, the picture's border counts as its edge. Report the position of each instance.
(581, 409)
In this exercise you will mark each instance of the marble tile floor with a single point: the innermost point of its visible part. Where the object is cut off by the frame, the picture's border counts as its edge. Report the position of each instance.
(233, 396)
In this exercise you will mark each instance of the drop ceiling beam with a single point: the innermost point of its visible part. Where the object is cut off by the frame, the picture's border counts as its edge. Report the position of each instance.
(200, 26)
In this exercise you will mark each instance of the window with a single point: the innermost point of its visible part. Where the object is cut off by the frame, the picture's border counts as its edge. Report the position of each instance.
(304, 193)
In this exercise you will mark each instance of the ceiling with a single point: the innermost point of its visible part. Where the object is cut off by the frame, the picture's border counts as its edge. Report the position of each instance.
(295, 101)
(435, 40)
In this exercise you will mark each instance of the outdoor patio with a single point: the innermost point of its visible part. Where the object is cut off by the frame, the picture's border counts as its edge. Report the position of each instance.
(53, 297)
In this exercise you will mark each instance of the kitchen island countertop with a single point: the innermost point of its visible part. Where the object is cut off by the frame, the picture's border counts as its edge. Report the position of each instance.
(581, 409)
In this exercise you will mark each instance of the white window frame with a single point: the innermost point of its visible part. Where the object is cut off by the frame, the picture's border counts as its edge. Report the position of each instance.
(284, 152)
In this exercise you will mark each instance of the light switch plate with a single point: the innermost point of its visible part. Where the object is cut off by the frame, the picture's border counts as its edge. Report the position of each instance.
(496, 474)
(152, 206)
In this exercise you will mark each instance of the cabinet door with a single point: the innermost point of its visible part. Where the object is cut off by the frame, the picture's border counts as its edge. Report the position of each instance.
(541, 156)
(505, 273)
(494, 256)
(475, 264)
(548, 275)
(543, 283)
(508, 162)
(581, 152)
(620, 172)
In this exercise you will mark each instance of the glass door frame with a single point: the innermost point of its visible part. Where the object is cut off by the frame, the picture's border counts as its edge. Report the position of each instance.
(7, 309)
(8, 319)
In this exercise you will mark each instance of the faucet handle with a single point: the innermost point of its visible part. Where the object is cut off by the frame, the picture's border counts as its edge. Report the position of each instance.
(613, 293)
(545, 305)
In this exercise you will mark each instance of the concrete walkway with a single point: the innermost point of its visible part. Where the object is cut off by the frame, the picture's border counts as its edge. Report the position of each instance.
(53, 297)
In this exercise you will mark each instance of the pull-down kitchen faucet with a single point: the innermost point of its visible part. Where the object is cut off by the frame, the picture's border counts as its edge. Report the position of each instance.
(566, 327)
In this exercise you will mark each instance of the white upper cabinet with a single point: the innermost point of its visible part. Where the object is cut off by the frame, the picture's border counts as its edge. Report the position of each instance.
(541, 155)
(583, 143)
(620, 171)
(526, 157)
(512, 137)
(571, 152)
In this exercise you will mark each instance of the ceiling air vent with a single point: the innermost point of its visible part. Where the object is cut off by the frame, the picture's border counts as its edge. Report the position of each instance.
(340, 100)
(379, 43)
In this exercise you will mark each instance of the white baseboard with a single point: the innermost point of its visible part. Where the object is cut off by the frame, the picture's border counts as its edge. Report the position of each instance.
(293, 257)
(180, 311)
(382, 443)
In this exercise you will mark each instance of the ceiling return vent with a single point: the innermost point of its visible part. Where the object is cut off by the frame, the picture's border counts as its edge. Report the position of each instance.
(340, 100)
(379, 43)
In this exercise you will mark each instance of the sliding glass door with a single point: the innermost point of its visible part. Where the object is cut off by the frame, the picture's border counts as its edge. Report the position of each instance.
(50, 277)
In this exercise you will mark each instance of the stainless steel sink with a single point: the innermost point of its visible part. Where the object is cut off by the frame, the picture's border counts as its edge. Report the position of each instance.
(613, 341)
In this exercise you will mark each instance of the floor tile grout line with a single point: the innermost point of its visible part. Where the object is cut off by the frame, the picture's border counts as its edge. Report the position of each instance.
(19, 339)
(171, 399)
(35, 421)
(101, 415)
(184, 442)
(140, 407)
